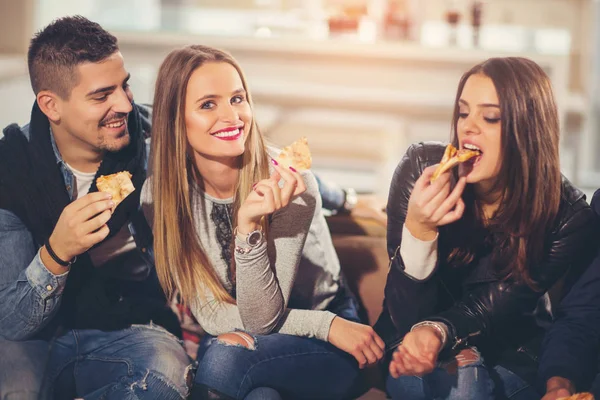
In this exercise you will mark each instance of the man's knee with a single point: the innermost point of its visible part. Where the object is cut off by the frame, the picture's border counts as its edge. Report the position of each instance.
(159, 359)
(170, 366)
(155, 385)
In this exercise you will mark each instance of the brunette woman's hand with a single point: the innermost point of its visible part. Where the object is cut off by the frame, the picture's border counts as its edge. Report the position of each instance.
(359, 340)
(267, 197)
(434, 204)
(418, 353)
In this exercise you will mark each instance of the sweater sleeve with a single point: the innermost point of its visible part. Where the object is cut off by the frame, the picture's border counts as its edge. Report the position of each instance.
(218, 318)
(420, 257)
(265, 276)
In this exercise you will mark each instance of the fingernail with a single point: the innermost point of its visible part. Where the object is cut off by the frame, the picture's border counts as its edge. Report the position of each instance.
(274, 161)
(112, 203)
(293, 169)
(254, 186)
(109, 196)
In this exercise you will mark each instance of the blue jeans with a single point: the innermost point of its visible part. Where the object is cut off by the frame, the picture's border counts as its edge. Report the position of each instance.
(475, 381)
(280, 366)
(141, 362)
(295, 367)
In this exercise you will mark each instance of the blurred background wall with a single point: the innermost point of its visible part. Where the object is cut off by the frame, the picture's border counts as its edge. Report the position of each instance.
(362, 79)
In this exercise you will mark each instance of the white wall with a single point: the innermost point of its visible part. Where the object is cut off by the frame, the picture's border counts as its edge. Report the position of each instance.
(16, 25)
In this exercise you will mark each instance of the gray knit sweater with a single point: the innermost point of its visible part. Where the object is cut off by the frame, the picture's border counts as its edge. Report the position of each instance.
(285, 284)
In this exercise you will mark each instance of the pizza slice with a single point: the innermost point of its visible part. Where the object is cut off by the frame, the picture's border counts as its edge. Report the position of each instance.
(119, 185)
(296, 155)
(579, 396)
(452, 157)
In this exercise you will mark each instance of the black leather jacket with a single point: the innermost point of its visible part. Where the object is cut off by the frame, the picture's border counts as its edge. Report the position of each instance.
(505, 319)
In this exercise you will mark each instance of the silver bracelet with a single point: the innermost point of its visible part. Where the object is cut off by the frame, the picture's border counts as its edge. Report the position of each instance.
(439, 326)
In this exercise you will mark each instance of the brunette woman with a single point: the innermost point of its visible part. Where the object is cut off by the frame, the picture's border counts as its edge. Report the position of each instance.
(476, 252)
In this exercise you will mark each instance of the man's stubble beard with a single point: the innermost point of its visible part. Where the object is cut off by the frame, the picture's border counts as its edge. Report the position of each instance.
(114, 145)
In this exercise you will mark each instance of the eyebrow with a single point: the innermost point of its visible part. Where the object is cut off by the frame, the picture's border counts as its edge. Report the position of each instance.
(108, 88)
(479, 105)
(215, 96)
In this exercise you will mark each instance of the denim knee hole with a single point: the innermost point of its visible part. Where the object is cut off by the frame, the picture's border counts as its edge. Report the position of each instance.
(468, 357)
(237, 339)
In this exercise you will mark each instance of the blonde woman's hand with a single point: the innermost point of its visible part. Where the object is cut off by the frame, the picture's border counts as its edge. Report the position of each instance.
(433, 204)
(418, 353)
(359, 340)
(267, 197)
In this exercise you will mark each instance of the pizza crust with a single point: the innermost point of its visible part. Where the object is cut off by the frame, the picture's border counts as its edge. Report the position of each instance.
(119, 185)
(579, 396)
(296, 155)
(452, 157)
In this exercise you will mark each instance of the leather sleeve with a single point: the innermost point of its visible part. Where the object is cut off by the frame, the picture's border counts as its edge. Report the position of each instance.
(487, 306)
(417, 158)
(406, 299)
(497, 304)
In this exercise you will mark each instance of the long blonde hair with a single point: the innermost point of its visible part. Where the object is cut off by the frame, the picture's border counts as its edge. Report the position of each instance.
(181, 263)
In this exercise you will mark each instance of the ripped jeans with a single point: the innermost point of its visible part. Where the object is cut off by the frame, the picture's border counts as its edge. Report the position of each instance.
(472, 380)
(141, 362)
(277, 366)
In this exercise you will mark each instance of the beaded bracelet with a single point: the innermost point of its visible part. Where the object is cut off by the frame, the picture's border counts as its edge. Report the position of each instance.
(442, 330)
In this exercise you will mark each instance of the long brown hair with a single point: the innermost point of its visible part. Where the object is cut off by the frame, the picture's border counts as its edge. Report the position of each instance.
(181, 263)
(529, 180)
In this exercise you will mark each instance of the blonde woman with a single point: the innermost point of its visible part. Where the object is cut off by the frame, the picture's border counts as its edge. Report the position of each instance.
(245, 243)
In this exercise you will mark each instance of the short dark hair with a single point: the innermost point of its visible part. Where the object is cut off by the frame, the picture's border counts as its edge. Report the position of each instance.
(56, 50)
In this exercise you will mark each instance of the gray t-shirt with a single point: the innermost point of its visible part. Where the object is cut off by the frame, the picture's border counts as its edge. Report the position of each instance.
(285, 284)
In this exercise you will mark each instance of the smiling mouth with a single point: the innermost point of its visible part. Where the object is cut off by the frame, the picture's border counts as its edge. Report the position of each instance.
(231, 134)
(114, 124)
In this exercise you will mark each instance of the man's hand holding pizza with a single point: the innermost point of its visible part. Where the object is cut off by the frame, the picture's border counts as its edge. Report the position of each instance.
(82, 224)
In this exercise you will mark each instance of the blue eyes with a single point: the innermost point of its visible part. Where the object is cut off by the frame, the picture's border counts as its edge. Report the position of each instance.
(207, 105)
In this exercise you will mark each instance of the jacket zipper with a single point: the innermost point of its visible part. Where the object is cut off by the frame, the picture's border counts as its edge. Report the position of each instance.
(459, 341)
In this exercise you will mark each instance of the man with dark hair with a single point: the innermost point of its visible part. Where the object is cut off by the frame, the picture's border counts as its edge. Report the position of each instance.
(570, 357)
(83, 314)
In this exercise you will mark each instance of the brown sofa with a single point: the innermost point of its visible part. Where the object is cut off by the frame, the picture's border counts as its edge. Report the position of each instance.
(361, 248)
